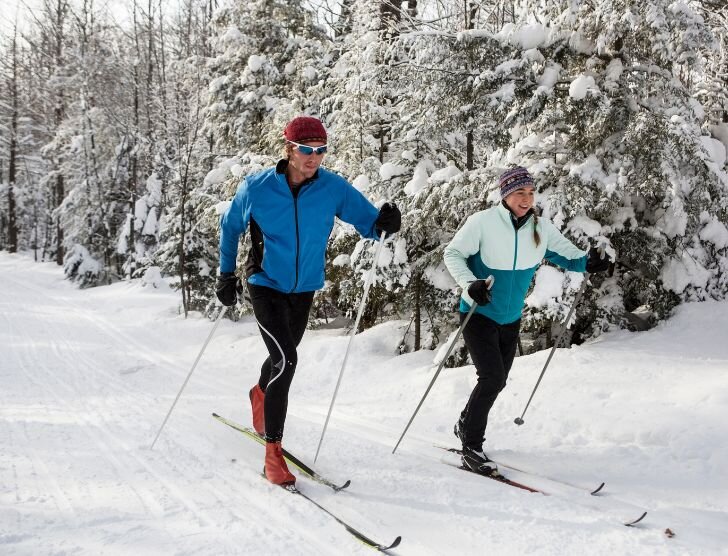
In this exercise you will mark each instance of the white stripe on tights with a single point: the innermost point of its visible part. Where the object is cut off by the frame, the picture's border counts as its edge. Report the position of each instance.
(283, 355)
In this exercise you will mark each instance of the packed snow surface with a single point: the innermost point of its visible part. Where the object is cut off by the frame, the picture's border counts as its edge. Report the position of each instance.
(88, 376)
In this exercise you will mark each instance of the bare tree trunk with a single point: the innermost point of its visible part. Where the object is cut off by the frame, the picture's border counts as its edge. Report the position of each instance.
(471, 11)
(12, 233)
(469, 151)
(59, 188)
(390, 15)
(132, 181)
(418, 312)
(344, 23)
(31, 187)
(148, 94)
(162, 70)
(88, 102)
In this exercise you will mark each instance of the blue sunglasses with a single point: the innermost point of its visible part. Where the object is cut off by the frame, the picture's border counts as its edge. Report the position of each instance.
(307, 150)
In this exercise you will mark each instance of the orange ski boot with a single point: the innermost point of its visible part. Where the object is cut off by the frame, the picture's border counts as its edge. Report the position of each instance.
(257, 401)
(276, 470)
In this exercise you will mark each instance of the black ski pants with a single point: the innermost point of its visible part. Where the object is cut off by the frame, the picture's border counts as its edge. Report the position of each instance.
(492, 347)
(282, 319)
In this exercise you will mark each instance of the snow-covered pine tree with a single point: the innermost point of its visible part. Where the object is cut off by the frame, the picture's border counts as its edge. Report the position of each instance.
(30, 194)
(361, 110)
(10, 114)
(51, 40)
(258, 76)
(711, 76)
(447, 123)
(95, 203)
(254, 70)
(187, 241)
(614, 139)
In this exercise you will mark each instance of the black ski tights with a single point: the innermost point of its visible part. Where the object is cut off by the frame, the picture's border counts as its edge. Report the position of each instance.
(282, 319)
(492, 347)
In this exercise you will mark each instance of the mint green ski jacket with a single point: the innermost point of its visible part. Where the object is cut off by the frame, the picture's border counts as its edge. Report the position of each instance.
(489, 244)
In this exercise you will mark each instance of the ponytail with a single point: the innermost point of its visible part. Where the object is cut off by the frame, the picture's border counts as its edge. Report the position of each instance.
(536, 237)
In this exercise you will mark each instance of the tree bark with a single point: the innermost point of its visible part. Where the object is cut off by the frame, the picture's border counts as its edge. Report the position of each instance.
(59, 190)
(418, 312)
(12, 228)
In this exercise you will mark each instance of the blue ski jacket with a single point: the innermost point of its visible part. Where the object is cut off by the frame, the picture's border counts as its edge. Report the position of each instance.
(490, 244)
(290, 228)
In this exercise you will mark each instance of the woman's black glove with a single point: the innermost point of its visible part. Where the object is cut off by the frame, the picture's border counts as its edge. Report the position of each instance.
(598, 260)
(389, 219)
(480, 291)
(228, 287)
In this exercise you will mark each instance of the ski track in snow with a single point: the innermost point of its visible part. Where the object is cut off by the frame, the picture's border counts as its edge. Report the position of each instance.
(88, 376)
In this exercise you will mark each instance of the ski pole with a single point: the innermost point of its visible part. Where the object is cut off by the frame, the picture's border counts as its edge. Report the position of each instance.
(199, 356)
(519, 420)
(367, 285)
(442, 364)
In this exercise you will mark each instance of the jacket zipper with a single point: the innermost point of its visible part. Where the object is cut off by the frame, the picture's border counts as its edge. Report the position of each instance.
(513, 271)
(515, 260)
(298, 246)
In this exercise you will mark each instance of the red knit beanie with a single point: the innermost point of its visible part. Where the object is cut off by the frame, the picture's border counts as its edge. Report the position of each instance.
(305, 128)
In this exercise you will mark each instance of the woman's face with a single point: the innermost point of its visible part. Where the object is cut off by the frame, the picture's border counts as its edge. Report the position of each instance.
(521, 200)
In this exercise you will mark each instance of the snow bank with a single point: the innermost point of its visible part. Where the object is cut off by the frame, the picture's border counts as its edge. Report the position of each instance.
(91, 374)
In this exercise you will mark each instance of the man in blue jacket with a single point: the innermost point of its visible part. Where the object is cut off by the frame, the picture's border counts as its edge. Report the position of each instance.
(290, 212)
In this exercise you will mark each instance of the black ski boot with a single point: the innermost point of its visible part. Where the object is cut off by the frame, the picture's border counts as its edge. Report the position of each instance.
(475, 459)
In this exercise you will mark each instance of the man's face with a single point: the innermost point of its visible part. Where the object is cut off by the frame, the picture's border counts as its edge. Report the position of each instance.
(521, 200)
(304, 165)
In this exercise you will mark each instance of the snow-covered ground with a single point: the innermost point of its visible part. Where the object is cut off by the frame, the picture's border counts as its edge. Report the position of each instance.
(87, 377)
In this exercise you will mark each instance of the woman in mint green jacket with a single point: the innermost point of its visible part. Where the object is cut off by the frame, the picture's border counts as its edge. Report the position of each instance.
(508, 242)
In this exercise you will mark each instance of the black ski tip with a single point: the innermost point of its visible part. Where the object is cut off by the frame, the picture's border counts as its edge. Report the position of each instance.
(342, 487)
(215, 414)
(636, 521)
(597, 490)
(395, 544)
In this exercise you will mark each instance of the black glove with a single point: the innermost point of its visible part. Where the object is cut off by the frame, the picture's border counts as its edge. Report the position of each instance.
(480, 291)
(228, 287)
(389, 219)
(598, 260)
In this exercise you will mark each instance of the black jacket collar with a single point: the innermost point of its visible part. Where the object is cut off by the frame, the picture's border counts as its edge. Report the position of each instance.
(281, 169)
(518, 223)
